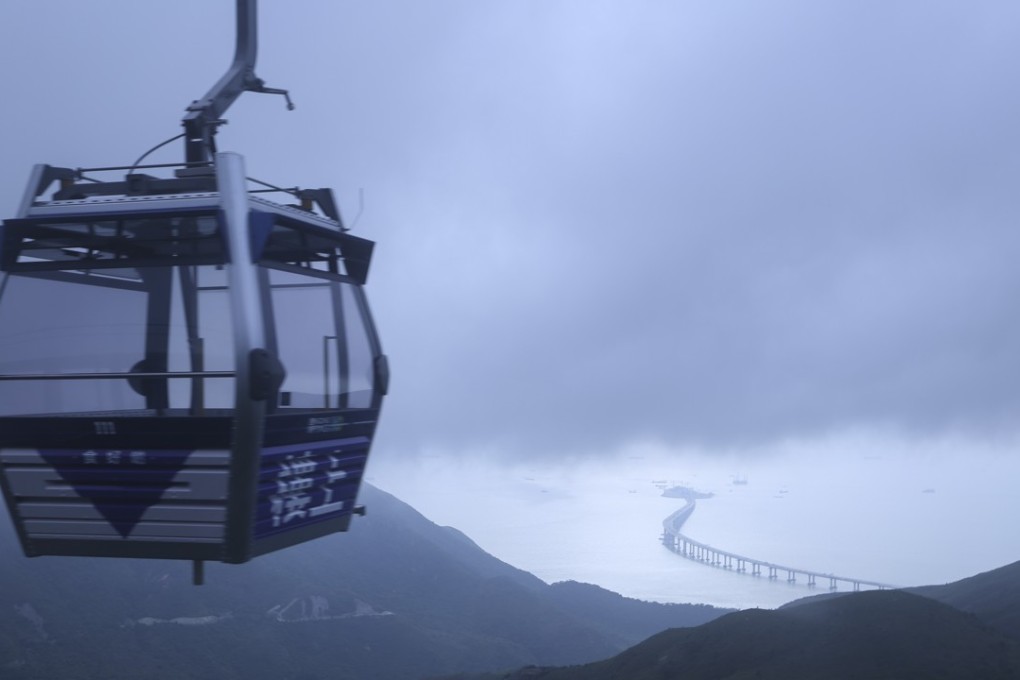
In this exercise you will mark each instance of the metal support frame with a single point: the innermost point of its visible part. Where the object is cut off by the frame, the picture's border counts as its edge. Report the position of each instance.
(204, 115)
(249, 337)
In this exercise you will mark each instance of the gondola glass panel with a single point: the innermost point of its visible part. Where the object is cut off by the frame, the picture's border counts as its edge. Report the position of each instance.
(95, 324)
(328, 357)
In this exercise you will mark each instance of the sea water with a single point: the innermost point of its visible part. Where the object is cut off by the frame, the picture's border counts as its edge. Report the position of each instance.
(885, 516)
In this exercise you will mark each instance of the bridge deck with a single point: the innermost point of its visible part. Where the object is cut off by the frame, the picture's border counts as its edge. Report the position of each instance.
(685, 546)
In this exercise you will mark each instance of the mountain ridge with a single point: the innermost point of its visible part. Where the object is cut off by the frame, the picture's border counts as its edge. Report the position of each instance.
(857, 636)
(397, 597)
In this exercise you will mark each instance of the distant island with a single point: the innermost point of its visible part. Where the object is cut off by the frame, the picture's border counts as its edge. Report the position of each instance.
(686, 493)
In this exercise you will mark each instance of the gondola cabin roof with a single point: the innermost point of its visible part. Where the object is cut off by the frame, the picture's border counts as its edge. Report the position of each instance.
(287, 234)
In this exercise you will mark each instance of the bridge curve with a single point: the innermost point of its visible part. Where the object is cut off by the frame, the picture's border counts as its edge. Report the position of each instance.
(681, 544)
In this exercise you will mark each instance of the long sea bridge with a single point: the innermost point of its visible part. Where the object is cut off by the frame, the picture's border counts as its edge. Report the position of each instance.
(682, 545)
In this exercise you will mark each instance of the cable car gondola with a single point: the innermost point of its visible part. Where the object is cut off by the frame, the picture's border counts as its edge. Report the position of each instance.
(188, 370)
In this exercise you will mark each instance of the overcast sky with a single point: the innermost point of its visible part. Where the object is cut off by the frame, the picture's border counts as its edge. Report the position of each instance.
(714, 224)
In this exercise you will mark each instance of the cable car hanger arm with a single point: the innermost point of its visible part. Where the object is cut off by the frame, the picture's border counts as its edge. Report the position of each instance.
(205, 115)
(200, 123)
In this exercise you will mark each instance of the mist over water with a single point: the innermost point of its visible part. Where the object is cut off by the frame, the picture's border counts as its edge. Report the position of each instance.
(857, 508)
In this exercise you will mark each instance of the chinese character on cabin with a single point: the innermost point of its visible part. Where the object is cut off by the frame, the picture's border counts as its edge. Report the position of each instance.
(295, 507)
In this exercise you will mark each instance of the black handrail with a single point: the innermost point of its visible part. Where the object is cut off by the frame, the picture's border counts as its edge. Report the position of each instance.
(114, 376)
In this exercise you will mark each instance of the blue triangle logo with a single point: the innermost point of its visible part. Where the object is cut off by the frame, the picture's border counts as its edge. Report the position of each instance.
(121, 484)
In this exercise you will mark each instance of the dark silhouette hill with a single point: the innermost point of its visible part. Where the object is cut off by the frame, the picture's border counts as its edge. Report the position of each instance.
(871, 635)
(994, 596)
(396, 597)
(613, 613)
